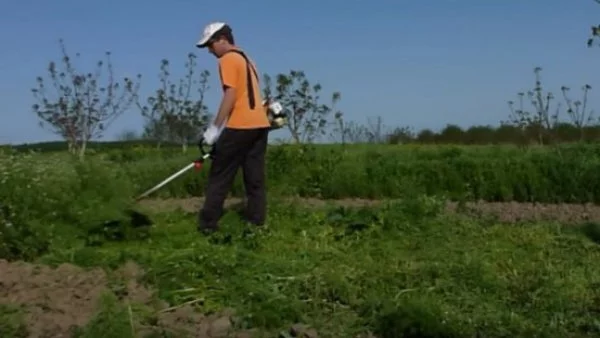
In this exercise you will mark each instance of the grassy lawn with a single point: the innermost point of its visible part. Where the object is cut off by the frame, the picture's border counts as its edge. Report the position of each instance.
(402, 269)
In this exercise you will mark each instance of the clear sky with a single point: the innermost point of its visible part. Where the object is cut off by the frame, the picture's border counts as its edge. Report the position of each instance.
(417, 63)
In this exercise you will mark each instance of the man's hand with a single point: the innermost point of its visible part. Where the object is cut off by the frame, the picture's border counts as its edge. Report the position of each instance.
(214, 130)
(211, 134)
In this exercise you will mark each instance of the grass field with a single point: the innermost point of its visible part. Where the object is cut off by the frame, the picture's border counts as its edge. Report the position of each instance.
(392, 267)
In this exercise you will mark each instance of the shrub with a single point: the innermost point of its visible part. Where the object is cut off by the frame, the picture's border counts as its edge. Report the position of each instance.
(54, 197)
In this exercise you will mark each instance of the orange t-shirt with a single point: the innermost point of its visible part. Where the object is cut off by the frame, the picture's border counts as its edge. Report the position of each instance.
(233, 73)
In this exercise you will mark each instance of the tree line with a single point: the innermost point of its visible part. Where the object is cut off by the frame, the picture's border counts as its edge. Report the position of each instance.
(81, 106)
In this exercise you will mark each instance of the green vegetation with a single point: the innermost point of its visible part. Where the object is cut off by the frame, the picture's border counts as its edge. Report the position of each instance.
(11, 322)
(560, 174)
(404, 267)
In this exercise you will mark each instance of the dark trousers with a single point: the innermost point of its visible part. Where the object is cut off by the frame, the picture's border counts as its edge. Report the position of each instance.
(236, 148)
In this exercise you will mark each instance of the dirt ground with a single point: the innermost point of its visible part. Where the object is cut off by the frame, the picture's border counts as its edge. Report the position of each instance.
(504, 211)
(57, 300)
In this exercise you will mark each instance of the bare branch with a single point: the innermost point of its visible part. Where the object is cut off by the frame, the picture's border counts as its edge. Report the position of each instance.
(308, 117)
(81, 108)
(172, 115)
(577, 111)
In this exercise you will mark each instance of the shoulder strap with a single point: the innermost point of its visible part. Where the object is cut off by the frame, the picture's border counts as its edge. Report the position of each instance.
(251, 99)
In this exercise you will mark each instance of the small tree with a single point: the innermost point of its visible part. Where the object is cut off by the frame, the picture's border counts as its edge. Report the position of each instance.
(426, 136)
(339, 132)
(340, 128)
(309, 118)
(541, 121)
(452, 134)
(81, 108)
(401, 135)
(577, 110)
(128, 135)
(376, 132)
(349, 132)
(172, 115)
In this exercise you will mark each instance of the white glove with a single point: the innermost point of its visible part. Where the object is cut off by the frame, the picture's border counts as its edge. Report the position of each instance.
(211, 134)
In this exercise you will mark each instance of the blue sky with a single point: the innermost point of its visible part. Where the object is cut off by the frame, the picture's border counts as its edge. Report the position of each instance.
(416, 63)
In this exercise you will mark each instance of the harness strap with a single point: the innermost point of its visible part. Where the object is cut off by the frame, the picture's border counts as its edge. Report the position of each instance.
(251, 99)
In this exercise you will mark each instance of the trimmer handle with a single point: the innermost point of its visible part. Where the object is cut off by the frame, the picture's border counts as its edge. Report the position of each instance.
(197, 165)
(206, 152)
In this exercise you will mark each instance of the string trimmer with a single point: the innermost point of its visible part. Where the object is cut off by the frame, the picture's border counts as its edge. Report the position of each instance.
(123, 228)
(277, 118)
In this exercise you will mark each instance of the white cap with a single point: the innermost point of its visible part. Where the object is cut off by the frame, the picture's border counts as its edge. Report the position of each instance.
(208, 32)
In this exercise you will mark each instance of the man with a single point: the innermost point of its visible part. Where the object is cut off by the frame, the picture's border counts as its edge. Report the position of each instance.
(239, 131)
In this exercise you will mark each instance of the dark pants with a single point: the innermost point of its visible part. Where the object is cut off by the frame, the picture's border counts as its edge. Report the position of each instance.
(235, 148)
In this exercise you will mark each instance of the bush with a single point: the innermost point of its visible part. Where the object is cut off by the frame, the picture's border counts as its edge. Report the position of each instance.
(54, 197)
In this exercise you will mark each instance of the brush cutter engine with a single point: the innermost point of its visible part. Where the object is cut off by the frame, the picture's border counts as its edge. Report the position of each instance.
(276, 114)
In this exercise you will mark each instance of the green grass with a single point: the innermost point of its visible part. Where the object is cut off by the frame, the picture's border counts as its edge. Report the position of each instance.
(399, 269)
(11, 322)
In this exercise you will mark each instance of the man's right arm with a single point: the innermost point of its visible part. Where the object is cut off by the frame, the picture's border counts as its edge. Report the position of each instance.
(228, 72)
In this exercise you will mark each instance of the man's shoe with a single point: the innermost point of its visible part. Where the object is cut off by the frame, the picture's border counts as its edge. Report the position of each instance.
(207, 231)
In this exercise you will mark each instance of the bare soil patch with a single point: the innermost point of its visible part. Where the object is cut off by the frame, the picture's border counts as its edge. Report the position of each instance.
(56, 301)
(512, 212)
(194, 204)
(509, 212)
